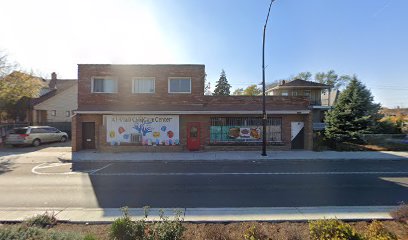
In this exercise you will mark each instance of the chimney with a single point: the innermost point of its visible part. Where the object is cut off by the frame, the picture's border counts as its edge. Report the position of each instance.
(283, 82)
(53, 82)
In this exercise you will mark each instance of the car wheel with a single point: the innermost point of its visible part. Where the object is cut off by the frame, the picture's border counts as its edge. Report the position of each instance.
(36, 142)
(63, 139)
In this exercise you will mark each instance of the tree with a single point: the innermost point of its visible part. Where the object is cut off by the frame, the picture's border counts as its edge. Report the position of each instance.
(307, 76)
(332, 79)
(207, 86)
(222, 88)
(5, 65)
(16, 90)
(354, 114)
(252, 90)
(238, 91)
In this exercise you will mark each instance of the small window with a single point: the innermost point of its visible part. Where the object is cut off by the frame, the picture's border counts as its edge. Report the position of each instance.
(143, 85)
(193, 132)
(54, 113)
(104, 85)
(294, 93)
(284, 93)
(180, 85)
(307, 93)
(67, 113)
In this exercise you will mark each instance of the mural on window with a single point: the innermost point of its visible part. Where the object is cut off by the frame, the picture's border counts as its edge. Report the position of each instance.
(150, 130)
(244, 129)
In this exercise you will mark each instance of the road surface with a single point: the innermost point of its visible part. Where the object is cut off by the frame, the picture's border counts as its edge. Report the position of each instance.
(45, 183)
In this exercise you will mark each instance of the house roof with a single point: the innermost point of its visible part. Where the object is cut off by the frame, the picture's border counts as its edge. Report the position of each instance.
(47, 93)
(299, 83)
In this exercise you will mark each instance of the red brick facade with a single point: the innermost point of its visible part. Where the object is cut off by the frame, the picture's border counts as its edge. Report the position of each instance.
(190, 107)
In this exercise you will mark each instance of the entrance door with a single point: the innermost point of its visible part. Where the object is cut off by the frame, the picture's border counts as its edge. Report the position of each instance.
(88, 135)
(298, 135)
(193, 136)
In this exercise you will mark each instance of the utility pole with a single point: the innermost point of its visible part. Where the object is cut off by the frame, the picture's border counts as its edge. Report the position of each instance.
(264, 116)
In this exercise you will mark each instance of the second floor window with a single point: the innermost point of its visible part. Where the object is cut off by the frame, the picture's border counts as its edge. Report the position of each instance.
(143, 85)
(179, 85)
(104, 85)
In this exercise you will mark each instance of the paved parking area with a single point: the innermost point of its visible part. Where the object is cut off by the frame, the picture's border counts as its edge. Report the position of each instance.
(45, 147)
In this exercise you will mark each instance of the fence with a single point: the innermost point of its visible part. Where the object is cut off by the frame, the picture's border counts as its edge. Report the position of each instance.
(63, 126)
(6, 127)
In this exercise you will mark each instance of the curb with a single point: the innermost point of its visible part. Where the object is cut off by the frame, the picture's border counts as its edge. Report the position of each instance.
(67, 160)
(206, 215)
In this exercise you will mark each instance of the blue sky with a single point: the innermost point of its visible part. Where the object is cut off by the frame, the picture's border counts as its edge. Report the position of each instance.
(368, 38)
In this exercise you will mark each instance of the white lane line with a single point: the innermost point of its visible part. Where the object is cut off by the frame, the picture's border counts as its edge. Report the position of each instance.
(254, 173)
(99, 169)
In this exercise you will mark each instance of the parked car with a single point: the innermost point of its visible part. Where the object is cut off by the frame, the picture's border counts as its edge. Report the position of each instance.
(35, 135)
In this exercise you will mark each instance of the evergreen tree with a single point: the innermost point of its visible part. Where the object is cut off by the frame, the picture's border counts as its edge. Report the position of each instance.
(354, 114)
(222, 88)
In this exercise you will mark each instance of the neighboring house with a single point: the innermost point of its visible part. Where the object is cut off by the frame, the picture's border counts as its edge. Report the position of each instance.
(163, 108)
(322, 98)
(57, 104)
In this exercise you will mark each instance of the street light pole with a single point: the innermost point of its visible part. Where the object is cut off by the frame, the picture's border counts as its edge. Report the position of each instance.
(264, 116)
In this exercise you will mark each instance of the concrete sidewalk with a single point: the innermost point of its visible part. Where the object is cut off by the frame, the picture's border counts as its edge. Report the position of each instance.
(107, 215)
(233, 156)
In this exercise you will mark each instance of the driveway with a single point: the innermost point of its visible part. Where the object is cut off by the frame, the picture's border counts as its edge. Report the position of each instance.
(45, 147)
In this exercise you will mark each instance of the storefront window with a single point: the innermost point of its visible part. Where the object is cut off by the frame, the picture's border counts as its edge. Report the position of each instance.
(244, 129)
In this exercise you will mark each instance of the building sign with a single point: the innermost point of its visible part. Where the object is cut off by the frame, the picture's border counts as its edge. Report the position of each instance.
(142, 129)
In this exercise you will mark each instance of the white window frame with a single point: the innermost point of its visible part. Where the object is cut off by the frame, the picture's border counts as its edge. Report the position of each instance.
(185, 78)
(53, 113)
(105, 78)
(307, 91)
(294, 93)
(67, 113)
(285, 93)
(143, 78)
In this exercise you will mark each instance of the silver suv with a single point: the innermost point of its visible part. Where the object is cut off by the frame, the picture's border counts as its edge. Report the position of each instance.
(35, 135)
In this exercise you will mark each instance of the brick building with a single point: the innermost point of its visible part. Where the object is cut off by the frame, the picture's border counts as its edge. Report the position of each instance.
(163, 108)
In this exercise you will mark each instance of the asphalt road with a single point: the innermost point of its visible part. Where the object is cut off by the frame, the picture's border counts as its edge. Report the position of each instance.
(210, 184)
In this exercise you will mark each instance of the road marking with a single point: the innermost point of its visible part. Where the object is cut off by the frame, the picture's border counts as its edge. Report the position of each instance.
(51, 165)
(254, 173)
(43, 166)
(99, 169)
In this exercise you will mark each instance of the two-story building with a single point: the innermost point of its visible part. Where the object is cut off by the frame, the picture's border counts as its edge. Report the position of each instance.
(163, 108)
(321, 97)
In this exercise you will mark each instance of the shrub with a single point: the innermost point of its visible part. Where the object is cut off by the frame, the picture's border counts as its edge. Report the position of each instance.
(26, 232)
(167, 229)
(252, 233)
(44, 220)
(89, 237)
(124, 228)
(401, 213)
(328, 229)
(376, 231)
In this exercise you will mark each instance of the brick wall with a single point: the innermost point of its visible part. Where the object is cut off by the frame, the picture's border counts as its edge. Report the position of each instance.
(77, 121)
(124, 75)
